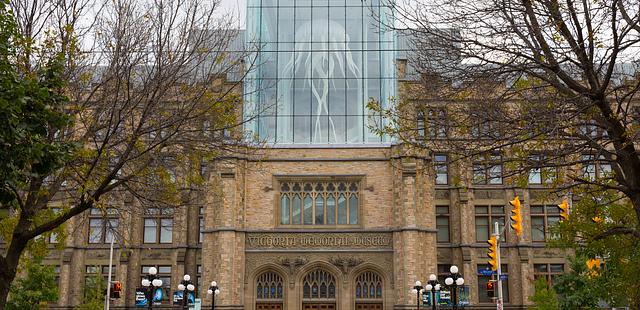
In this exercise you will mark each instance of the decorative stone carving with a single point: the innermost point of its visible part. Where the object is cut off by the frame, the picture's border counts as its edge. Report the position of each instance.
(346, 263)
(292, 263)
(322, 240)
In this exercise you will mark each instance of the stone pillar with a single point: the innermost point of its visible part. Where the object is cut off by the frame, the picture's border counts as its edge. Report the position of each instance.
(415, 238)
(223, 245)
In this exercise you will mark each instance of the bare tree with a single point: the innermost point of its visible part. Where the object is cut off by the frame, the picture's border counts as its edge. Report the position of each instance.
(150, 100)
(545, 84)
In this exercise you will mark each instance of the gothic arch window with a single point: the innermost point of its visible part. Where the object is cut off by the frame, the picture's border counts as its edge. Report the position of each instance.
(368, 286)
(269, 286)
(319, 284)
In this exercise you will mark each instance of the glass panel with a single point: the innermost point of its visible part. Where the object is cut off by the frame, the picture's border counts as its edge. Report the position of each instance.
(342, 210)
(164, 269)
(95, 230)
(482, 210)
(442, 225)
(482, 229)
(537, 228)
(557, 268)
(353, 210)
(319, 210)
(331, 210)
(284, 210)
(537, 210)
(497, 210)
(308, 211)
(150, 231)
(166, 230)
(296, 209)
(109, 231)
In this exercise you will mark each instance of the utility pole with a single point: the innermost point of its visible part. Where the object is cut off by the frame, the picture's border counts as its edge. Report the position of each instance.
(496, 233)
(107, 299)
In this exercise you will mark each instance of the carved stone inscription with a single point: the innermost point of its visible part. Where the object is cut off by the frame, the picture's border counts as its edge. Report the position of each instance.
(319, 240)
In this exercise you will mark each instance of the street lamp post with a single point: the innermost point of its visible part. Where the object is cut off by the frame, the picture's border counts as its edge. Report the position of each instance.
(213, 291)
(417, 289)
(185, 287)
(433, 286)
(151, 282)
(454, 280)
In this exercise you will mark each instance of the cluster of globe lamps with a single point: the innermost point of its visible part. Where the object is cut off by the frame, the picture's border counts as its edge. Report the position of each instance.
(454, 280)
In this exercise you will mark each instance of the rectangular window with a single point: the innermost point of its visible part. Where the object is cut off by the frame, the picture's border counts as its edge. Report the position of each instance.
(487, 170)
(319, 203)
(441, 167)
(541, 172)
(485, 217)
(542, 218)
(443, 272)
(103, 224)
(595, 169)
(442, 223)
(199, 276)
(548, 271)
(158, 225)
(91, 274)
(53, 237)
(436, 123)
(164, 274)
(200, 224)
(483, 296)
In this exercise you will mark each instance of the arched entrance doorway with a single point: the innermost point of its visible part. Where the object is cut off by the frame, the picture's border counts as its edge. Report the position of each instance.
(368, 291)
(269, 289)
(319, 291)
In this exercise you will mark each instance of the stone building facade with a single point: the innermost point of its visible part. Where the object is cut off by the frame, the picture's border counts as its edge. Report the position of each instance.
(330, 215)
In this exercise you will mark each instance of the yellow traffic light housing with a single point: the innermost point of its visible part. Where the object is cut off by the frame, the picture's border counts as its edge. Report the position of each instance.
(564, 209)
(516, 218)
(493, 253)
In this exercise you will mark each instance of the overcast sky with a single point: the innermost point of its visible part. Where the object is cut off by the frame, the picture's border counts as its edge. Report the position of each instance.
(237, 8)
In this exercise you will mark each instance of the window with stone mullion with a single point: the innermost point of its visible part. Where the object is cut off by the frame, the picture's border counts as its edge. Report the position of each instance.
(319, 203)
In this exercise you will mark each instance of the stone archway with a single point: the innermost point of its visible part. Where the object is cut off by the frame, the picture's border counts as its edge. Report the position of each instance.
(319, 290)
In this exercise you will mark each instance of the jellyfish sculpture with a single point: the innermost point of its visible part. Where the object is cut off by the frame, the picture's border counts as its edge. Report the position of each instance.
(328, 65)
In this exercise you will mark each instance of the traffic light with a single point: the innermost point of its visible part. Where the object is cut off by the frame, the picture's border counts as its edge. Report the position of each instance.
(564, 207)
(493, 253)
(116, 289)
(491, 289)
(517, 216)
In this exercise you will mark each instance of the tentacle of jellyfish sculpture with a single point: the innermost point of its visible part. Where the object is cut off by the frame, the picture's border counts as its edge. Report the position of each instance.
(323, 65)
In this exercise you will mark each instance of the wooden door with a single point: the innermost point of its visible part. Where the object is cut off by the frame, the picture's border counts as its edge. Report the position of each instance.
(268, 306)
(369, 306)
(319, 306)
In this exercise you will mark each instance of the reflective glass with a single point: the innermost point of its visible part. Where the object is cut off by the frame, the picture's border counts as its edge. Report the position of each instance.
(329, 58)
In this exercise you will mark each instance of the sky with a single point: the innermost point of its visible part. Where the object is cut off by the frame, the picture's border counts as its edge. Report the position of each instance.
(236, 7)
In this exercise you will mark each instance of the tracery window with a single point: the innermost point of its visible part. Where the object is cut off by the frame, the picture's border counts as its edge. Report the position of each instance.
(369, 286)
(319, 202)
(319, 284)
(269, 286)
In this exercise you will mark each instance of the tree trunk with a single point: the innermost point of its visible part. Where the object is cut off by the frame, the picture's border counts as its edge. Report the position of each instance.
(9, 263)
(7, 274)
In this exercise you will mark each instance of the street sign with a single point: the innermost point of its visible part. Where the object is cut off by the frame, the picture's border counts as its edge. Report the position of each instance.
(503, 277)
(485, 272)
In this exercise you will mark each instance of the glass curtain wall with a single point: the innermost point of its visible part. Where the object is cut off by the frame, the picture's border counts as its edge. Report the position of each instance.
(318, 64)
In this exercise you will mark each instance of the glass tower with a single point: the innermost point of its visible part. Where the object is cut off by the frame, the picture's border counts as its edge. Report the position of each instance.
(318, 64)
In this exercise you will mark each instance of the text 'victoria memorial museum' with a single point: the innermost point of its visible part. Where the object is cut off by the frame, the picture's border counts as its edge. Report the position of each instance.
(331, 215)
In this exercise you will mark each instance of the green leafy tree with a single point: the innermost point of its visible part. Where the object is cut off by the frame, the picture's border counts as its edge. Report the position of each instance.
(545, 297)
(102, 99)
(94, 293)
(589, 230)
(35, 289)
(576, 290)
